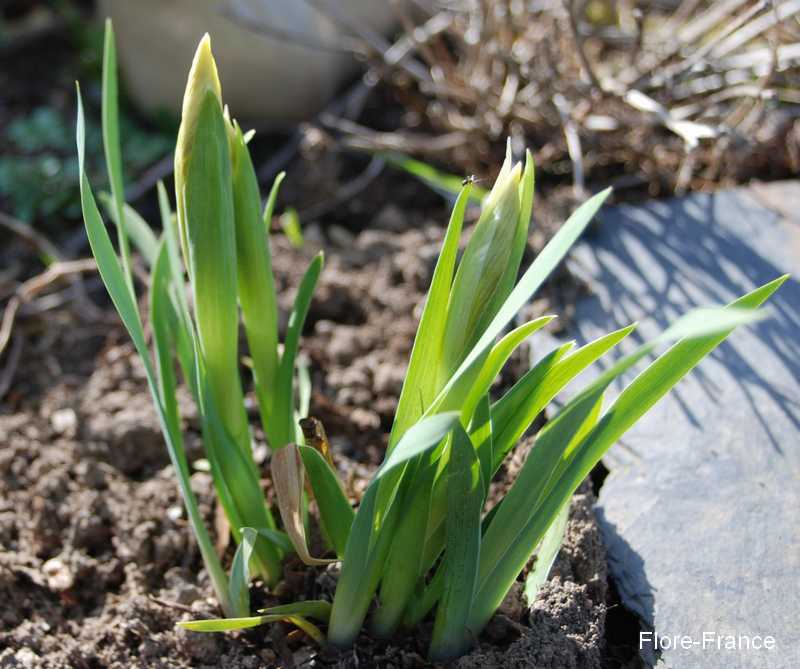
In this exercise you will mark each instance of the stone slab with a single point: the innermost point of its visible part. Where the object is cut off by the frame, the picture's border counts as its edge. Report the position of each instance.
(700, 510)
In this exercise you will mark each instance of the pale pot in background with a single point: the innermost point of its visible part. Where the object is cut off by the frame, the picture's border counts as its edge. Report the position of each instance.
(266, 78)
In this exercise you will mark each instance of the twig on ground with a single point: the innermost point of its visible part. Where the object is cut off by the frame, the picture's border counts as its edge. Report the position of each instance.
(346, 191)
(573, 145)
(172, 605)
(30, 235)
(28, 290)
(361, 137)
(377, 42)
(48, 250)
(10, 369)
(580, 47)
(685, 172)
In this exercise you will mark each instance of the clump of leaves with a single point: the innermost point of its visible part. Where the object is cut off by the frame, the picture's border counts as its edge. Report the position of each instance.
(217, 247)
(421, 539)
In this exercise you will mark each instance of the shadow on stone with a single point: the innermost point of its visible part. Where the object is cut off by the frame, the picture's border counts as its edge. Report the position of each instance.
(699, 509)
(703, 250)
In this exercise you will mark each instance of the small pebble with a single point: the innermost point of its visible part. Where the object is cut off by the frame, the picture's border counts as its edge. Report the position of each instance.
(365, 419)
(391, 218)
(26, 657)
(63, 421)
(58, 574)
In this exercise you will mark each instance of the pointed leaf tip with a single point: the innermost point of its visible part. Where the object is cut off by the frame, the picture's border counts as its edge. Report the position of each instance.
(203, 77)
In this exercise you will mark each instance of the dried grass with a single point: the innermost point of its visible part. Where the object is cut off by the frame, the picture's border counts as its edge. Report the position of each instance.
(662, 95)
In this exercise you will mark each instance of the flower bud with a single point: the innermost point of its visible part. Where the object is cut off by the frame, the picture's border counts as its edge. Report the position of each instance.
(203, 78)
(488, 268)
(204, 195)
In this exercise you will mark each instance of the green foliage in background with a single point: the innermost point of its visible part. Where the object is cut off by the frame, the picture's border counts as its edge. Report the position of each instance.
(39, 170)
(38, 166)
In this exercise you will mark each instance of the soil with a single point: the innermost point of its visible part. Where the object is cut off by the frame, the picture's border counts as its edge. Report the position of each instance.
(97, 562)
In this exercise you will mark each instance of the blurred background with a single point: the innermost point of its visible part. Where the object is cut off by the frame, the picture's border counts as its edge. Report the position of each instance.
(653, 97)
(378, 109)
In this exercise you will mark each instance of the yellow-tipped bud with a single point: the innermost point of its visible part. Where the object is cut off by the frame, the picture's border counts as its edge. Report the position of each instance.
(203, 77)
(487, 269)
(204, 196)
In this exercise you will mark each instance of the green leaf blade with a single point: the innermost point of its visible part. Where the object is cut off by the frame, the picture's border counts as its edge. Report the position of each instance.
(546, 554)
(225, 624)
(517, 409)
(540, 269)
(114, 280)
(579, 457)
(373, 528)
(451, 633)
(283, 429)
(239, 582)
(111, 146)
(485, 273)
(334, 508)
(297, 614)
(436, 179)
(420, 385)
(208, 226)
(256, 285)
